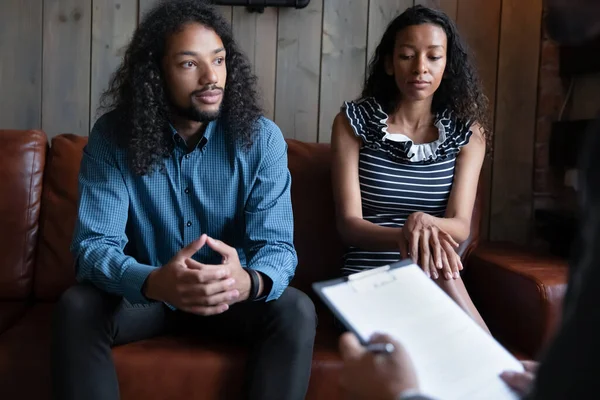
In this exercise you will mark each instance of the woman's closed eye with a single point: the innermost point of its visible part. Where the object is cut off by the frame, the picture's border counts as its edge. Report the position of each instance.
(411, 56)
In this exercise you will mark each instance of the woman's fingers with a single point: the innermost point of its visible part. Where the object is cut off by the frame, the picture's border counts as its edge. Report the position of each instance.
(449, 238)
(453, 260)
(435, 272)
(446, 268)
(414, 246)
(436, 249)
(425, 256)
(460, 264)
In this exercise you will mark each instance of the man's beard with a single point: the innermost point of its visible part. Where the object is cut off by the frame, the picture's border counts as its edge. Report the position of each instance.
(193, 113)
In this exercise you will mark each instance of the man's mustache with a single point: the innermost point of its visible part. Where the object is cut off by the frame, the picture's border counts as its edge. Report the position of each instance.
(206, 88)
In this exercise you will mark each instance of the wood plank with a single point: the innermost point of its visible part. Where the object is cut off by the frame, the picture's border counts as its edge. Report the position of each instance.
(66, 68)
(381, 13)
(226, 11)
(343, 58)
(21, 64)
(256, 34)
(479, 26)
(512, 190)
(450, 7)
(298, 68)
(113, 23)
(143, 7)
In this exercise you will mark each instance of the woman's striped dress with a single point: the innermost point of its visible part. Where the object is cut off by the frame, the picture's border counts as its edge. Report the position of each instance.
(398, 177)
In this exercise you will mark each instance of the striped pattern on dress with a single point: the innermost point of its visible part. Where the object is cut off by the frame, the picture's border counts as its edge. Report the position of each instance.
(395, 180)
(390, 192)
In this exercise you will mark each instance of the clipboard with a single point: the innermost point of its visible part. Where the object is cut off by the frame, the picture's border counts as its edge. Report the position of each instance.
(360, 281)
(454, 357)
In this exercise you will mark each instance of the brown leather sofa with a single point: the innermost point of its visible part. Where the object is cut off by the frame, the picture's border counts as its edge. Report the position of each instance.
(518, 294)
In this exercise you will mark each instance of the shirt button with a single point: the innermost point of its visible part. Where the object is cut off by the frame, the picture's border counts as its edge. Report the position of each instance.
(189, 223)
(187, 156)
(187, 190)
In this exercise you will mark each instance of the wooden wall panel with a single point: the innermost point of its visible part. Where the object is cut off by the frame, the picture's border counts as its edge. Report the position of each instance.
(450, 7)
(298, 69)
(256, 34)
(21, 64)
(226, 11)
(479, 26)
(512, 191)
(343, 58)
(144, 6)
(113, 23)
(66, 66)
(381, 13)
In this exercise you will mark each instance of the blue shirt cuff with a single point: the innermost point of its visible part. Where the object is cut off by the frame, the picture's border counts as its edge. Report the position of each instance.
(132, 281)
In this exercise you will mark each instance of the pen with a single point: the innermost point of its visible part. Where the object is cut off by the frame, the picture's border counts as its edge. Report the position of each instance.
(386, 348)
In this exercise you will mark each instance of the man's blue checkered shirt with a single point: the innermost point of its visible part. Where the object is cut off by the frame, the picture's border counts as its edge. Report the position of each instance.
(129, 225)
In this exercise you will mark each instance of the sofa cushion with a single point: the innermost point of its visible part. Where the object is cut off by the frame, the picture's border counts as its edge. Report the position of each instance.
(519, 293)
(159, 368)
(217, 370)
(55, 268)
(10, 312)
(21, 176)
(25, 356)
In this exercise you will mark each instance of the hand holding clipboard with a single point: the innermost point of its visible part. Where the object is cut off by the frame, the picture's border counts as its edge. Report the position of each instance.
(453, 356)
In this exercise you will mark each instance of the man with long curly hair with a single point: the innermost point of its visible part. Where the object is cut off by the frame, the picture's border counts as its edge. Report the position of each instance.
(185, 219)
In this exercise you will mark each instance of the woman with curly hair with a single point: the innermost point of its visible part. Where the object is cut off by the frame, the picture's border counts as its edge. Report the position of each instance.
(185, 218)
(407, 154)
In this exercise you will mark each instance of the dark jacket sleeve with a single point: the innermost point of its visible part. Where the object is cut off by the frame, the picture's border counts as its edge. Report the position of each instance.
(569, 369)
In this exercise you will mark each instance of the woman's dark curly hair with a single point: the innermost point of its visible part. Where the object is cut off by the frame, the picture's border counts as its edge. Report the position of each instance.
(137, 89)
(460, 90)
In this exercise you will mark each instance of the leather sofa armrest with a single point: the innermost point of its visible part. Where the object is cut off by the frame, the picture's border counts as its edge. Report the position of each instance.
(518, 293)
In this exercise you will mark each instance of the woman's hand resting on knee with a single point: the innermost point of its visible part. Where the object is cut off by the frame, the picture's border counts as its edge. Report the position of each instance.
(430, 247)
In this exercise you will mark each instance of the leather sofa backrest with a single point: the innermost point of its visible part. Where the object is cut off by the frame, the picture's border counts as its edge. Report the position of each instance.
(22, 160)
(472, 241)
(315, 236)
(55, 270)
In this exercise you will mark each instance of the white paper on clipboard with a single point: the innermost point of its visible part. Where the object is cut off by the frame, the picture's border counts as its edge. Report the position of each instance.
(455, 358)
